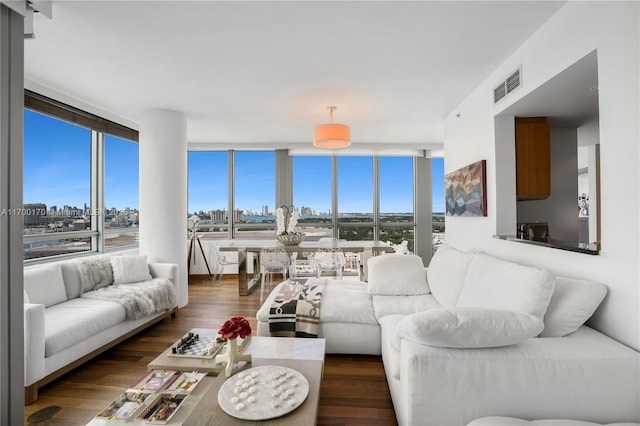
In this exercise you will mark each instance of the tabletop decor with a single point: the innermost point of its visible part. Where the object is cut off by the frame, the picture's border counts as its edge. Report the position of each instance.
(230, 331)
(286, 221)
(264, 392)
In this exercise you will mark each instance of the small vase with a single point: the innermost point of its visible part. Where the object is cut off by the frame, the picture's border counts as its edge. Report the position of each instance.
(232, 356)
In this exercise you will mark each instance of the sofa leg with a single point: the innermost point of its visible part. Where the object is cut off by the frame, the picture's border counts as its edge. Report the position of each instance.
(174, 314)
(31, 394)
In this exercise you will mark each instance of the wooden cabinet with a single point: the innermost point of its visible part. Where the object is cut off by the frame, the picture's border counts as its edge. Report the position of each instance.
(533, 177)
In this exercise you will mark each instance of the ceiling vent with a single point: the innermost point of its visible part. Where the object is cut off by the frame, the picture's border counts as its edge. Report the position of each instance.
(507, 86)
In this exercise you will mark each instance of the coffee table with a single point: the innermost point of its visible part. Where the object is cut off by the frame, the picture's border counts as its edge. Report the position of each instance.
(201, 408)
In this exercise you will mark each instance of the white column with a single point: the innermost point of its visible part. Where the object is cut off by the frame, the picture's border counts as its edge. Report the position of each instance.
(163, 191)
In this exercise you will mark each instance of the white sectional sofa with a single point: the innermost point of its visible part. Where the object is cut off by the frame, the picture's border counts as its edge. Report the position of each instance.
(477, 336)
(71, 315)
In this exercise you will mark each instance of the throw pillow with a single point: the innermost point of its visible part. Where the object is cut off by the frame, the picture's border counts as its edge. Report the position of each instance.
(396, 274)
(572, 303)
(130, 269)
(467, 328)
(95, 272)
(44, 285)
(500, 284)
(446, 274)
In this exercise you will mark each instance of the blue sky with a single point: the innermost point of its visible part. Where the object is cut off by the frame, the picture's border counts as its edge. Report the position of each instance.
(57, 172)
(254, 176)
(57, 165)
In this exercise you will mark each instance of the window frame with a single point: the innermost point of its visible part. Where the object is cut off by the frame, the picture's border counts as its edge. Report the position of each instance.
(99, 128)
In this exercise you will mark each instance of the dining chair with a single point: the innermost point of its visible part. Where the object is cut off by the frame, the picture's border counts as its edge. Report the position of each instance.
(221, 260)
(401, 248)
(273, 261)
(329, 259)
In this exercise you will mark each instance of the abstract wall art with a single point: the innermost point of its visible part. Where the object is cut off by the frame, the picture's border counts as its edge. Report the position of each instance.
(465, 190)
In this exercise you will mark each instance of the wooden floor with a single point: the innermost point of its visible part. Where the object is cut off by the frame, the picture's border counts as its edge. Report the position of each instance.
(354, 390)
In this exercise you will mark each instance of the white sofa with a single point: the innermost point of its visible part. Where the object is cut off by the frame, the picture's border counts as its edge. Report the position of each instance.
(64, 327)
(479, 336)
(512, 421)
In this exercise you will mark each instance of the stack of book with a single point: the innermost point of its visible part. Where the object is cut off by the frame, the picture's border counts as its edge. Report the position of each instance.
(154, 398)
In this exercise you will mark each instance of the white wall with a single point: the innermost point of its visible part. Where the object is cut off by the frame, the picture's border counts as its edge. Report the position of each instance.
(574, 31)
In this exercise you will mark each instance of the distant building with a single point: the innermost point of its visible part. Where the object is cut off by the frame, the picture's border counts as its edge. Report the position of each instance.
(33, 213)
(219, 216)
(265, 210)
(79, 225)
(238, 215)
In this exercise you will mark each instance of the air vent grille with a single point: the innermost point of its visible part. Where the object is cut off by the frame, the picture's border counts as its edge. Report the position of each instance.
(499, 92)
(507, 86)
(513, 81)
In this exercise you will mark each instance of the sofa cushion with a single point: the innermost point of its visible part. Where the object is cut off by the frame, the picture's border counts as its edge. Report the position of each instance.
(130, 269)
(467, 328)
(94, 272)
(500, 284)
(396, 274)
(402, 305)
(45, 285)
(446, 274)
(390, 355)
(72, 281)
(572, 304)
(78, 319)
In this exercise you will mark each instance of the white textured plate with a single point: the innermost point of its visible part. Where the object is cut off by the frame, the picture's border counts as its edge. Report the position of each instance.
(262, 393)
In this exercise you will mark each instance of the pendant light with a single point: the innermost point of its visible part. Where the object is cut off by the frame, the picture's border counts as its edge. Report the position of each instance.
(332, 135)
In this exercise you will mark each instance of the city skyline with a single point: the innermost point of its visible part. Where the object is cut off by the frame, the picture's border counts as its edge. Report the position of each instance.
(57, 168)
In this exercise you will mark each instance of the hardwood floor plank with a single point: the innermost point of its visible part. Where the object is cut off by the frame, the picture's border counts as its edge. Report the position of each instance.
(353, 392)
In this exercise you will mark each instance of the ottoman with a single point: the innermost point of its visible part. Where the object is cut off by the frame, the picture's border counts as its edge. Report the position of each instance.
(347, 318)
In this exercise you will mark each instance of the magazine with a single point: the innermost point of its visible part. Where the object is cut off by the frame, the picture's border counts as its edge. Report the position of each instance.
(125, 407)
(154, 380)
(186, 382)
(163, 408)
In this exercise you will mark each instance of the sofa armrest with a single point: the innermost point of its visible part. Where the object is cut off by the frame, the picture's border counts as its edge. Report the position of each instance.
(559, 377)
(167, 270)
(33, 343)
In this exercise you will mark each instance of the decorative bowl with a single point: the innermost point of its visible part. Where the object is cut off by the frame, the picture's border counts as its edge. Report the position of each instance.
(290, 240)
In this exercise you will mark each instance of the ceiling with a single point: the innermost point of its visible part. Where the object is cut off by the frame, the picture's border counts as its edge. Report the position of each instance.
(570, 99)
(261, 74)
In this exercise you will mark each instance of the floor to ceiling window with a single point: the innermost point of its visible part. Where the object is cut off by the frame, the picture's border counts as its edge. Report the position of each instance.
(120, 192)
(208, 191)
(57, 187)
(312, 186)
(437, 191)
(350, 197)
(396, 200)
(74, 163)
(254, 175)
(355, 198)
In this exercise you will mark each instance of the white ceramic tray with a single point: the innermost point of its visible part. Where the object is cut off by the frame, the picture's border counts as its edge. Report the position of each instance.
(262, 393)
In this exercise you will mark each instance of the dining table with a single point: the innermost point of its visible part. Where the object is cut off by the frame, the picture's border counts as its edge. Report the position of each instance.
(247, 284)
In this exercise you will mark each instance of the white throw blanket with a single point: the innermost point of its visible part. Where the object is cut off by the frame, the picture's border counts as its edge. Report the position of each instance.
(138, 299)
